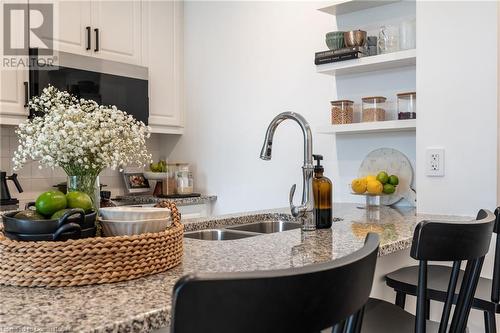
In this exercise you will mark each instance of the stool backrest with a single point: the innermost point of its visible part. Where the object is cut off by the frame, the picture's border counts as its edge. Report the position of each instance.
(305, 299)
(495, 283)
(451, 241)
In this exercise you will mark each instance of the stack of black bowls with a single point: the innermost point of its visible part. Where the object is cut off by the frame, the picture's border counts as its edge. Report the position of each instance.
(74, 224)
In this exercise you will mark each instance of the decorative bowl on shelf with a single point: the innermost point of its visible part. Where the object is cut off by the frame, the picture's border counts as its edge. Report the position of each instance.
(355, 38)
(335, 40)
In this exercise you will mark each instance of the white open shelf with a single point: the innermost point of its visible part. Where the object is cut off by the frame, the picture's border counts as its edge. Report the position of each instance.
(349, 6)
(371, 127)
(378, 62)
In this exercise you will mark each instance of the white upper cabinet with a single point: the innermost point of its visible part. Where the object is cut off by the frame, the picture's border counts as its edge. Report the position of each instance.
(116, 30)
(13, 79)
(72, 27)
(163, 54)
(104, 29)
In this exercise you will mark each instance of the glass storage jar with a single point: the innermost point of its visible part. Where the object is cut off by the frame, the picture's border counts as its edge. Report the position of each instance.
(342, 112)
(407, 105)
(373, 108)
(184, 179)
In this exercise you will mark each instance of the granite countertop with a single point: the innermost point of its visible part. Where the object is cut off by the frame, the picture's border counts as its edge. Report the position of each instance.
(144, 304)
(149, 199)
(130, 200)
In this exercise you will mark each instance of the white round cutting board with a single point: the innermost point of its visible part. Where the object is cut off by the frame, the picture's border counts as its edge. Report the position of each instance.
(393, 162)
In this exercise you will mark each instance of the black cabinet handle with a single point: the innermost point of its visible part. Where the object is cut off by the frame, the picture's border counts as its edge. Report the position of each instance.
(96, 40)
(88, 38)
(26, 94)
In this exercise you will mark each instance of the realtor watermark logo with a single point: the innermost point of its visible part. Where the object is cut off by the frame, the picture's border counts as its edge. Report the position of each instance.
(25, 27)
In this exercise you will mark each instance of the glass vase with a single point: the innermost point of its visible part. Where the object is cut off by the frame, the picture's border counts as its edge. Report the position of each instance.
(88, 184)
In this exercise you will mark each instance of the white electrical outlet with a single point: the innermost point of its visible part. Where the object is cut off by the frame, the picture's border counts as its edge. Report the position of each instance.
(434, 158)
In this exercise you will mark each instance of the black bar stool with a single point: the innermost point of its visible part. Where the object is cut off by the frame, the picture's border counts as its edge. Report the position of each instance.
(306, 299)
(404, 282)
(438, 241)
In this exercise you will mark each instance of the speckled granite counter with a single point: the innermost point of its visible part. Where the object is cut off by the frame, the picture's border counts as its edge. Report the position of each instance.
(149, 199)
(144, 304)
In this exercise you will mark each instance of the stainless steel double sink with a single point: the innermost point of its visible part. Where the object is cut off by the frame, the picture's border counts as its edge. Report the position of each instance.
(243, 230)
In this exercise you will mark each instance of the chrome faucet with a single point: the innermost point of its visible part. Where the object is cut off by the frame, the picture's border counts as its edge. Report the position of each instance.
(305, 212)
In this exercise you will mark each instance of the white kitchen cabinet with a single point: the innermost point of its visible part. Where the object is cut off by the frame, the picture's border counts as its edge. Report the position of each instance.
(116, 30)
(13, 79)
(72, 27)
(195, 211)
(13, 96)
(103, 29)
(163, 53)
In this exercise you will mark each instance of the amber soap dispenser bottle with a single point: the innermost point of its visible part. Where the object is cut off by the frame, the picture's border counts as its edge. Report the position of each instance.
(322, 190)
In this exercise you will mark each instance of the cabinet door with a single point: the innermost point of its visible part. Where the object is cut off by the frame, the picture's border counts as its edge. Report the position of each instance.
(164, 33)
(12, 96)
(71, 27)
(13, 75)
(119, 30)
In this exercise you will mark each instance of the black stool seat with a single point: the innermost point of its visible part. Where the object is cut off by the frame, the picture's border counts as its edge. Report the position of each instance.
(384, 317)
(406, 280)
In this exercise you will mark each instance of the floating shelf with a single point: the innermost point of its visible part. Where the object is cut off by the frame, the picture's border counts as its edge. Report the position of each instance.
(349, 6)
(378, 62)
(371, 127)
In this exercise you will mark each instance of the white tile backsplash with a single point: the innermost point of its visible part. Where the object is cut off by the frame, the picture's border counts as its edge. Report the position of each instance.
(35, 180)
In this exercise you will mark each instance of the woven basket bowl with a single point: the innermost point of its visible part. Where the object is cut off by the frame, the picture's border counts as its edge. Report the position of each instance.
(95, 260)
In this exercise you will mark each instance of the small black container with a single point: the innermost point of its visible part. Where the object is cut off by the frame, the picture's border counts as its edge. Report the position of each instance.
(69, 226)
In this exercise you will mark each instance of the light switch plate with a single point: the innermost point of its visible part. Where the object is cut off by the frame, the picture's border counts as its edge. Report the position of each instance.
(434, 162)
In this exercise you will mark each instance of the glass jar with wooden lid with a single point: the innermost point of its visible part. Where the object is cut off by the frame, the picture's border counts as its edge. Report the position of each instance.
(407, 105)
(342, 111)
(373, 108)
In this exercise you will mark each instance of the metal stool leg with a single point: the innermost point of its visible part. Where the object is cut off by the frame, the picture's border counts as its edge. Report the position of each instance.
(400, 299)
(489, 322)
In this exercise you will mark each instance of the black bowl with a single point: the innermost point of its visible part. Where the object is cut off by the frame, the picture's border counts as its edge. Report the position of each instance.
(35, 227)
(72, 232)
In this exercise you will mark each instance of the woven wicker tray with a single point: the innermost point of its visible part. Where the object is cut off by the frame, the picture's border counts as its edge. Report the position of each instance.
(91, 260)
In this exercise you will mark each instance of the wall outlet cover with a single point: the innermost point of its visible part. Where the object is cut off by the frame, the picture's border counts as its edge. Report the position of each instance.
(434, 162)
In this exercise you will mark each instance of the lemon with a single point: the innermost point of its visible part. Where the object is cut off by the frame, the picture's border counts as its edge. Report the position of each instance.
(374, 187)
(358, 185)
(370, 178)
(383, 177)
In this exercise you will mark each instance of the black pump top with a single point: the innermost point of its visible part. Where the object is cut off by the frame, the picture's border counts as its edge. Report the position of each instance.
(318, 167)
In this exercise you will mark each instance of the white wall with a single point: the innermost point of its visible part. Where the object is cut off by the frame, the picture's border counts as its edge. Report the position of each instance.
(457, 103)
(245, 62)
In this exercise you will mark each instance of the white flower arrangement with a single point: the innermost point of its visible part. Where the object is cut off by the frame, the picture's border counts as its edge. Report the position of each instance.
(80, 136)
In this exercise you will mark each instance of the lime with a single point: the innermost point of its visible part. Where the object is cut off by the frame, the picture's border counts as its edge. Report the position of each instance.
(359, 185)
(389, 189)
(50, 202)
(383, 177)
(374, 187)
(393, 180)
(57, 215)
(29, 214)
(78, 199)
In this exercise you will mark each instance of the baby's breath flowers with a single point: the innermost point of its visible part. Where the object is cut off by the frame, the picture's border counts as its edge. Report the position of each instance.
(80, 136)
